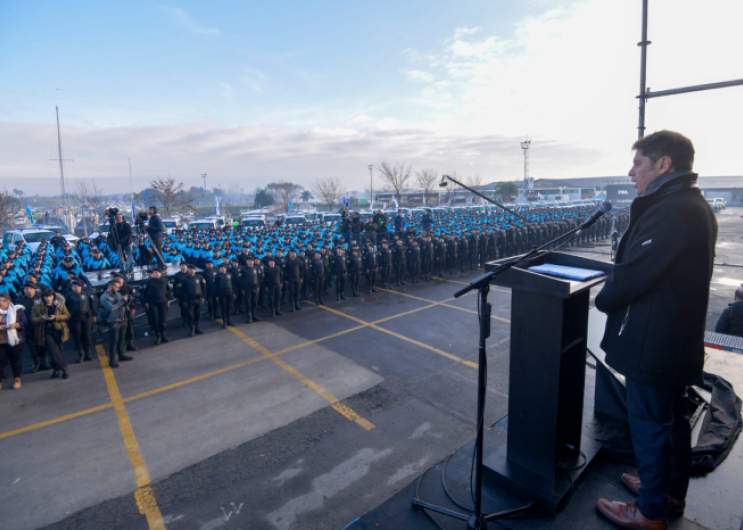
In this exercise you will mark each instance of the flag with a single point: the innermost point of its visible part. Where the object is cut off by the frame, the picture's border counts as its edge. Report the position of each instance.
(216, 205)
(134, 212)
(289, 202)
(29, 213)
(345, 201)
(394, 201)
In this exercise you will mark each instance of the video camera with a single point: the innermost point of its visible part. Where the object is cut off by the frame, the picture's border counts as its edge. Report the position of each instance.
(112, 212)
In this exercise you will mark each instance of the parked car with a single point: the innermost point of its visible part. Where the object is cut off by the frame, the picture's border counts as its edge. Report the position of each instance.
(72, 240)
(203, 224)
(32, 237)
(253, 220)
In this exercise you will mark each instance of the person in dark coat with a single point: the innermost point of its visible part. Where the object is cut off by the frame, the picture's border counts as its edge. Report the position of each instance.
(338, 270)
(354, 270)
(385, 263)
(317, 272)
(293, 272)
(225, 293)
(156, 299)
(731, 319)
(83, 308)
(370, 267)
(272, 280)
(250, 280)
(194, 292)
(156, 230)
(399, 256)
(656, 304)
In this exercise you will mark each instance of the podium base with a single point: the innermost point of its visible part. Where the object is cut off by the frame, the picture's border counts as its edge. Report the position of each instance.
(551, 495)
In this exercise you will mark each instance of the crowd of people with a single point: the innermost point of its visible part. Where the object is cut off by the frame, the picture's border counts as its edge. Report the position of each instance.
(46, 296)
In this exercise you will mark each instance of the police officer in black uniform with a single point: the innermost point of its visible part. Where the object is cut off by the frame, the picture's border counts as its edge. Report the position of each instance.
(225, 294)
(398, 261)
(272, 282)
(414, 260)
(83, 308)
(156, 295)
(293, 273)
(179, 280)
(354, 270)
(370, 267)
(317, 272)
(338, 270)
(193, 291)
(211, 303)
(250, 282)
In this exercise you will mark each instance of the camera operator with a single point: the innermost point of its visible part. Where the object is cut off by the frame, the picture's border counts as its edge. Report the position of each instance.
(127, 291)
(156, 230)
(123, 231)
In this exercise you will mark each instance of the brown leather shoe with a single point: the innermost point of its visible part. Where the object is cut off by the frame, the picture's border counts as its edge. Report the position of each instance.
(675, 506)
(626, 515)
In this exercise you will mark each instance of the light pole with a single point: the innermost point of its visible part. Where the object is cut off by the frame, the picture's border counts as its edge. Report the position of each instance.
(528, 184)
(371, 186)
(203, 176)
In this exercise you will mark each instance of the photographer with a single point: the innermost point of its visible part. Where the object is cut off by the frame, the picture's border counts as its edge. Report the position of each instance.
(156, 230)
(122, 231)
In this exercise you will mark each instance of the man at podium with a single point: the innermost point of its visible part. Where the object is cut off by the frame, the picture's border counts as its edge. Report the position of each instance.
(656, 302)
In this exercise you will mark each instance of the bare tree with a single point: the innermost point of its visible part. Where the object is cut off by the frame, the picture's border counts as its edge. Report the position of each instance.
(283, 191)
(329, 189)
(474, 181)
(89, 196)
(171, 194)
(396, 176)
(426, 180)
(7, 205)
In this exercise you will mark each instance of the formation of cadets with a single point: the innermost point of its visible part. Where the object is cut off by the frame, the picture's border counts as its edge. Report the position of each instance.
(45, 297)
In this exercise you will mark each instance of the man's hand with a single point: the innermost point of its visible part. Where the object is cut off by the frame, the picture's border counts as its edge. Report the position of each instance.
(147, 307)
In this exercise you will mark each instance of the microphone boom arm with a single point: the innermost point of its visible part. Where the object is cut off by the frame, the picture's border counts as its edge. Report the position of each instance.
(499, 205)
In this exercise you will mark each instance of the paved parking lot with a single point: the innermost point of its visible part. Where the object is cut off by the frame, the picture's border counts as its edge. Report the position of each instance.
(303, 421)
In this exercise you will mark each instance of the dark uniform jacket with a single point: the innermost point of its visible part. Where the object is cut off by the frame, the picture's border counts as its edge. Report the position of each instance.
(223, 283)
(156, 291)
(370, 260)
(272, 276)
(337, 264)
(317, 265)
(81, 305)
(193, 287)
(656, 296)
(293, 270)
(731, 320)
(250, 278)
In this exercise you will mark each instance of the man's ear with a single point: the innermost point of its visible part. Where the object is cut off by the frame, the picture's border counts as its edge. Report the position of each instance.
(665, 165)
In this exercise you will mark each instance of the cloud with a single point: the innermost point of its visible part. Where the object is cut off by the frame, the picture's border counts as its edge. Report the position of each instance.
(188, 22)
(418, 75)
(251, 155)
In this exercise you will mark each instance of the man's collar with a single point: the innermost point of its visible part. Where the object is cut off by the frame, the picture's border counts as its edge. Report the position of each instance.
(656, 184)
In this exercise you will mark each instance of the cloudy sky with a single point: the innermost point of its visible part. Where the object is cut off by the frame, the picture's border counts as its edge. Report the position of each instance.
(252, 92)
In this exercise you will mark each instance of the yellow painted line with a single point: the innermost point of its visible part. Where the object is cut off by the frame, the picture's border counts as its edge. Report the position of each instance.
(59, 419)
(194, 379)
(386, 319)
(144, 496)
(315, 341)
(334, 401)
(403, 337)
(443, 303)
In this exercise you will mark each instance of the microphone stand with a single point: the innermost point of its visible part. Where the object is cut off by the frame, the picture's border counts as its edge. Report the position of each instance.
(477, 520)
(499, 205)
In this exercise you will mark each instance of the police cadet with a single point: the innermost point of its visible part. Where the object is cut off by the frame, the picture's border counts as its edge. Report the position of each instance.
(354, 269)
(156, 299)
(83, 309)
(225, 294)
(211, 303)
(30, 298)
(398, 261)
(439, 254)
(338, 270)
(426, 249)
(305, 262)
(293, 273)
(385, 264)
(272, 281)
(193, 290)
(280, 260)
(250, 283)
(179, 281)
(234, 270)
(451, 254)
(260, 270)
(317, 272)
(414, 261)
(370, 267)
(325, 253)
(464, 251)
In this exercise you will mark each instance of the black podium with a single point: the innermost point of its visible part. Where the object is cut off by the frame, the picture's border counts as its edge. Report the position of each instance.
(546, 455)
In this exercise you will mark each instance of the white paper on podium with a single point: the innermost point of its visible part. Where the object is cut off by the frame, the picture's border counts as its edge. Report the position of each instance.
(571, 273)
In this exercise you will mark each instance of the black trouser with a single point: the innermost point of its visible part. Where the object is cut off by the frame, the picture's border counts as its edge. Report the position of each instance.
(13, 355)
(211, 304)
(414, 268)
(226, 299)
(292, 287)
(238, 301)
(317, 287)
(116, 340)
(157, 315)
(353, 278)
(53, 345)
(426, 267)
(371, 278)
(451, 262)
(340, 283)
(400, 271)
(194, 312)
(384, 271)
(80, 327)
(250, 298)
(381, 236)
(661, 439)
(183, 303)
(129, 326)
(38, 355)
(274, 293)
(303, 288)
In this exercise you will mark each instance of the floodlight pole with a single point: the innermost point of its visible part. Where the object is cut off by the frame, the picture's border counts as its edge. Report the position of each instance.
(645, 92)
(371, 186)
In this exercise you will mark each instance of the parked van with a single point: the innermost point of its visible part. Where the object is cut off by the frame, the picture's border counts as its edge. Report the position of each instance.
(203, 224)
(253, 220)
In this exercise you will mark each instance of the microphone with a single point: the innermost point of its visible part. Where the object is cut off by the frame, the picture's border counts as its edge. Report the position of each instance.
(443, 182)
(601, 210)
